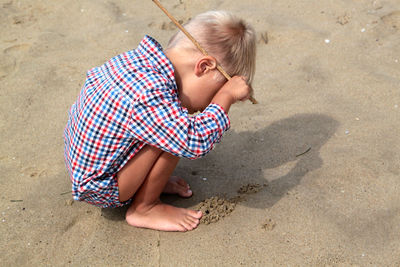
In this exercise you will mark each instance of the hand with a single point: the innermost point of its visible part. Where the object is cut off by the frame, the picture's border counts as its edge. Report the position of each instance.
(237, 88)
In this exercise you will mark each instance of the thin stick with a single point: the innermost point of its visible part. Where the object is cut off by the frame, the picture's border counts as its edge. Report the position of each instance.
(303, 152)
(68, 192)
(226, 75)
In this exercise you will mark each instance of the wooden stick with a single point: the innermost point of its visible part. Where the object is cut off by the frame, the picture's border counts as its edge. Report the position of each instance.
(226, 75)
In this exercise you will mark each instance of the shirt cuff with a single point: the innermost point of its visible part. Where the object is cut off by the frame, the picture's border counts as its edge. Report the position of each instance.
(221, 116)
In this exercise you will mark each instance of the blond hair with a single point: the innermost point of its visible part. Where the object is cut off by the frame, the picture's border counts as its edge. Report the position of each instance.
(224, 36)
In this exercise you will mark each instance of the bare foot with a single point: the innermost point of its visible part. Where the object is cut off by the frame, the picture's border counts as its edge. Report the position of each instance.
(163, 217)
(177, 185)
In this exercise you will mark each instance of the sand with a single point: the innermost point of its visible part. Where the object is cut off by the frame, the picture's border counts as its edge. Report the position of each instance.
(324, 138)
(216, 208)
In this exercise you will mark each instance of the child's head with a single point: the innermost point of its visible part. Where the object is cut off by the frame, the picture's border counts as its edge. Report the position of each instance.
(224, 36)
(228, 40)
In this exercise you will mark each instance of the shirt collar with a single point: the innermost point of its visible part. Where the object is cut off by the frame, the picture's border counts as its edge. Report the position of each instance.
(153, 51)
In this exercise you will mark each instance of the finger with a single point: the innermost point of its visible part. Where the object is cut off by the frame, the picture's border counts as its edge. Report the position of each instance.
(246, 97)
(245, 79)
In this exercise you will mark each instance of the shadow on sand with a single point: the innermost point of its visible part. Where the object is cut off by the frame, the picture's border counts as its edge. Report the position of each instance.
(279, 155)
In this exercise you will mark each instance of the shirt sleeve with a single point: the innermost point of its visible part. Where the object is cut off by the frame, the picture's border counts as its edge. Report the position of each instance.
(159, 120)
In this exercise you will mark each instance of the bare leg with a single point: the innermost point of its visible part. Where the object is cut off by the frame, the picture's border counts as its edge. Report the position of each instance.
(148, 175)
(132, 175)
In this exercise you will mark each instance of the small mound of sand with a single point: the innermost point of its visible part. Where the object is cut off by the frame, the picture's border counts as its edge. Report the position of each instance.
(215, 208)
(268, 225)
(249, 189)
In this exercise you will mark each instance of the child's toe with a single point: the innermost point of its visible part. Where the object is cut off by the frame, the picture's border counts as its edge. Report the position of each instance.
(186, 193)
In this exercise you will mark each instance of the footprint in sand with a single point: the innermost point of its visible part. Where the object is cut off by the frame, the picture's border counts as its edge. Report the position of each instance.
(343, 19)
(22, 14)
(33, 172)
(263, 37)
(69, 224)
(116, 11)
(167, 26)
(10, 58)
(7, 66)
(180, 5)
(392, 19)
(17, 49)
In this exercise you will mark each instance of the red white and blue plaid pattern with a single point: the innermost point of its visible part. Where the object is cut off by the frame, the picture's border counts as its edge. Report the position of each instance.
(130, 101)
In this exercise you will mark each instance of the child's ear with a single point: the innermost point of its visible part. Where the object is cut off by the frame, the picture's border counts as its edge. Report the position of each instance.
(204, 65)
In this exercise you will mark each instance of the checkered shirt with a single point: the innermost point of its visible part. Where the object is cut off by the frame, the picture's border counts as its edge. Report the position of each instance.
(130, 101)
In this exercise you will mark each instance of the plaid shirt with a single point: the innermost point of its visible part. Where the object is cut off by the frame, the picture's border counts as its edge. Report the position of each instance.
(130, 101)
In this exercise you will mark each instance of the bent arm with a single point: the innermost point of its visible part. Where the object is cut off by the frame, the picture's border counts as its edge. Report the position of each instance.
(159, 120)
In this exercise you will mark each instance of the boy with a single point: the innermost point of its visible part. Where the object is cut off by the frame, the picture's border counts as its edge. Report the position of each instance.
(131, 124)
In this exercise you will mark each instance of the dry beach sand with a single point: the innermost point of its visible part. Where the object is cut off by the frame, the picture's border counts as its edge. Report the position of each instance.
(313, 170)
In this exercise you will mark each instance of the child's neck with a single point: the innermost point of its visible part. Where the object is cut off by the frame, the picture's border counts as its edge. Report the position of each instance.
(183, 62)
